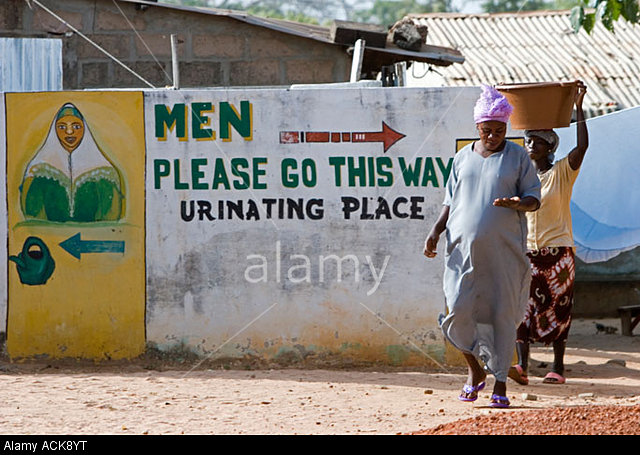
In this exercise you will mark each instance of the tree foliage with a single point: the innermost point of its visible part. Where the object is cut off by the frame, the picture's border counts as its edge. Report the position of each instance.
(310, 11)
(503, 6)
(388, 12)
(586, 13)
(383, 12)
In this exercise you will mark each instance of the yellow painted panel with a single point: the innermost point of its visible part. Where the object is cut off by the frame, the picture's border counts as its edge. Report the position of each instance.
(76, 214)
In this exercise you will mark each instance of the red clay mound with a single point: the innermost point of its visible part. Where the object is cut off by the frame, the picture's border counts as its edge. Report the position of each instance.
(579, 420)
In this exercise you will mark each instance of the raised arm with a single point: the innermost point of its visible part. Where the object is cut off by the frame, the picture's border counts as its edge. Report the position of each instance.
(577, 154)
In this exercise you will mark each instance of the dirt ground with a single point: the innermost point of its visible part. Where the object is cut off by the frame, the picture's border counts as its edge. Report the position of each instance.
(601, 396)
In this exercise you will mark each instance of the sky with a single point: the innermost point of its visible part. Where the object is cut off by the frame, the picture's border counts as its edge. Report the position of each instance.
(466, 6)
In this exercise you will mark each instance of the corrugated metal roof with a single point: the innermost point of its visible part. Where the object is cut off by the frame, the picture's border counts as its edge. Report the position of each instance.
(541, 47)
(30, 64)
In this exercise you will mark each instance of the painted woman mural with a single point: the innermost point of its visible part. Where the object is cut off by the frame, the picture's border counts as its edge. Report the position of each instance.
(70, 178)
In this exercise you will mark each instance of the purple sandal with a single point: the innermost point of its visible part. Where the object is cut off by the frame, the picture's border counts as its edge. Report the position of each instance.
(498, 401)
(470, 392)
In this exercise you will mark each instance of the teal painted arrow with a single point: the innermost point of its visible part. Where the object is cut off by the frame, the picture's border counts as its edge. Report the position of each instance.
(75, 246)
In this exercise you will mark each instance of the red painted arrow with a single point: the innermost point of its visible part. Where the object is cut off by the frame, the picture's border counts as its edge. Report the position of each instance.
(388, 136)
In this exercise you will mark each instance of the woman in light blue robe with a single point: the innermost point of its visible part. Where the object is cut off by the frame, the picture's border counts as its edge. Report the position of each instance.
(487, 275)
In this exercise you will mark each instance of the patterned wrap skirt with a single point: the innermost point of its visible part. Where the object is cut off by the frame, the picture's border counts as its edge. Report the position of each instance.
(548, 316)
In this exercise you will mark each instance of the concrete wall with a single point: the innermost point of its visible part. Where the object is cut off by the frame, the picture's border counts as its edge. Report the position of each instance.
(249, 225)
(3, 225)
(178, 269)
(602, 287)
(76, 277)
(213, 50)
(333, 279)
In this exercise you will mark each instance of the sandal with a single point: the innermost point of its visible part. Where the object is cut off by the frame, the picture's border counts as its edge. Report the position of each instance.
(498, 401)
(470, 392)
(517, 374)
(553, 378)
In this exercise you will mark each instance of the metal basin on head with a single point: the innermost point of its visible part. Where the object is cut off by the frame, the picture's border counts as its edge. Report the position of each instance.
(540, 105)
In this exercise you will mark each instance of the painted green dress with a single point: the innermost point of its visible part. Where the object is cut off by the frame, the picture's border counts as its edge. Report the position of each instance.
(81, 186)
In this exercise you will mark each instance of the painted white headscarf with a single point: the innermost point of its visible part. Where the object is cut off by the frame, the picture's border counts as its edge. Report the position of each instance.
(85, 163)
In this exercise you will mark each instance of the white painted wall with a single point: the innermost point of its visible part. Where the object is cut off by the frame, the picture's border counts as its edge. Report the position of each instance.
(203, 290)
(232, 287)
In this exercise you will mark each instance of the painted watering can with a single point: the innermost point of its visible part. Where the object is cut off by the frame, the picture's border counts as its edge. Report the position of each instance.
(34, 263)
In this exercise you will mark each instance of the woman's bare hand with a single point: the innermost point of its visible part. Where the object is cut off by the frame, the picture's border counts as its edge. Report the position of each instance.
(430, 245)
(508, 202)
(582, 90)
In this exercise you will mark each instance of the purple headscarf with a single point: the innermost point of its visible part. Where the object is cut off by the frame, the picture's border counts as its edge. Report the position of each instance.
(492, 105)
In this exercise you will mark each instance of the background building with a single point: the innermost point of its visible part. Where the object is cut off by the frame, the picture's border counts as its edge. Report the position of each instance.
(215, 47)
